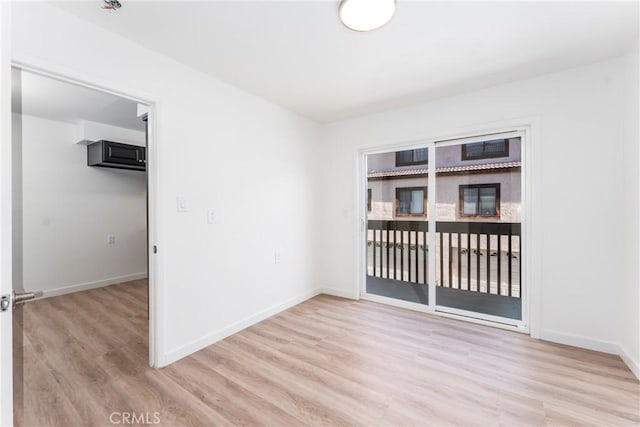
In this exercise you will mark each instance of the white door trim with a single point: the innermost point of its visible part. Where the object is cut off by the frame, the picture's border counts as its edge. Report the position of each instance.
(152, 171)
(6, 282)
(92, 82)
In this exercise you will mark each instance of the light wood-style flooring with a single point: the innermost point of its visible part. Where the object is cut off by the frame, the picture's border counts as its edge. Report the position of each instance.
(327, 361)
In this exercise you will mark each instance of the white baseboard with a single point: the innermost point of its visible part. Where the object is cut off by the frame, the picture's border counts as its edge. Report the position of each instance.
(207, 340)
(579, 341)
(631, 362)
(338, 293)
(92, 285)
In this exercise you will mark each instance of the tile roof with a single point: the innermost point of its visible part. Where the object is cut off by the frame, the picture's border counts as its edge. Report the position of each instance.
(448, 169)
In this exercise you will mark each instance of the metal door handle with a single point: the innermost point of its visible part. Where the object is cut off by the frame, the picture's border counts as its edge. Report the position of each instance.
(19, 298)
(16, 298)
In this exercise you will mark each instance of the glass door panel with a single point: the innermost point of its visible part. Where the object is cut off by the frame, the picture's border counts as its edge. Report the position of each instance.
(478, 228)
(397, 226)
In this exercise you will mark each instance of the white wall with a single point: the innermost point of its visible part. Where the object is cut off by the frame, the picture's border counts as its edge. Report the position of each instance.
(630, 297)
(88, 132)
(254, 163)
(213, 279)
(577, 190)
(69, 210)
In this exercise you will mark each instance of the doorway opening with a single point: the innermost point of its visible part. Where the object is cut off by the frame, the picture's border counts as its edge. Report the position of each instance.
(80, 196)
(445, 227)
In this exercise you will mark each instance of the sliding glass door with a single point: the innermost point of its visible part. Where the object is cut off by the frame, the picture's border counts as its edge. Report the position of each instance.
(469, 192)
(478, 228)
(397, 226)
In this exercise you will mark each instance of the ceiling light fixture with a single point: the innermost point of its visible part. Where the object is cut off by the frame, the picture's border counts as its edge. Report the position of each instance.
(111, 4)
(366, 15)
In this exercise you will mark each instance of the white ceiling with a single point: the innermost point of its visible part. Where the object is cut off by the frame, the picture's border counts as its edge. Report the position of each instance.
(298, 55)
(52, 99)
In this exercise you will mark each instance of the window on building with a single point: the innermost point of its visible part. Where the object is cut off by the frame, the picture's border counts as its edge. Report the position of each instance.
(410, 201)
(485, 149)
(480, 200)
(419, 156)
(369, 199)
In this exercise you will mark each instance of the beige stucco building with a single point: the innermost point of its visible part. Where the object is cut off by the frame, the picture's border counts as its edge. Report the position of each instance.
(475, 182)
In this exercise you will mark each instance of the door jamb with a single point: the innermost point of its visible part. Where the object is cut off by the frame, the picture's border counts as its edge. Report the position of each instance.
(155, 311)
(6, 280)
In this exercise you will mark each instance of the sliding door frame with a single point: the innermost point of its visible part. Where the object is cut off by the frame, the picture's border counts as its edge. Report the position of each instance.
(530, 292)
(362, 225)
(519, 324)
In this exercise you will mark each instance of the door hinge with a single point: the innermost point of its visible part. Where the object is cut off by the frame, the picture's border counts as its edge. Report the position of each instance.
(5, 302)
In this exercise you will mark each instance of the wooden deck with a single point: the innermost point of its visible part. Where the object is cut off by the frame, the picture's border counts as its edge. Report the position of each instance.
(479, 302)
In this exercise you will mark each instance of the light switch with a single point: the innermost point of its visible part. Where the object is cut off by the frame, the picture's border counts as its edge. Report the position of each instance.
(181, 204)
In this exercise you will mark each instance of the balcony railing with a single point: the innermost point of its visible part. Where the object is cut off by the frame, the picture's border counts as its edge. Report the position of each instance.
(472, 256)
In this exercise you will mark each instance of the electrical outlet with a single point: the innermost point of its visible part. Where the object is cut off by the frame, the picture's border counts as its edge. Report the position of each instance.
(211, 217)
(111, 240)
(277, 256)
